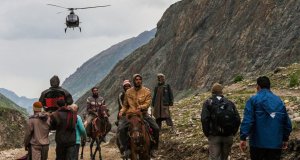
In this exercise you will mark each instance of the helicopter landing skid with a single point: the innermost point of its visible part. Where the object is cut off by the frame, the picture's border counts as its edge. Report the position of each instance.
(73, 29)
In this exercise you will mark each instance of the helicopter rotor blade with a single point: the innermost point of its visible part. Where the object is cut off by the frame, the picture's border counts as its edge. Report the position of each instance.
(58, 6)
(60, 12)
(91, 7)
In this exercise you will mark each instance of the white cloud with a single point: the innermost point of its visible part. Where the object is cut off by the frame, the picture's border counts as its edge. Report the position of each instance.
(34, 46)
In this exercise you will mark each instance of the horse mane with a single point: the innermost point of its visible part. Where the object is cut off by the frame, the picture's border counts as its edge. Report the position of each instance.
(129, 115)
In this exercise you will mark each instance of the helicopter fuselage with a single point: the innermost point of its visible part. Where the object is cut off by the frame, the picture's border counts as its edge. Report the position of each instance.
(72, 20)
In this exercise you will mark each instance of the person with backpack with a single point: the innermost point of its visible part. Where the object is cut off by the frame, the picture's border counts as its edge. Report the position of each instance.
(50, 96)
(220, 122)
(36, 139)
(266, 123)
(161, 102)
(64, 121)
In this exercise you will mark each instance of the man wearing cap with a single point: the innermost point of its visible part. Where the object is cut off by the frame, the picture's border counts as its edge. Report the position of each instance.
(162, 100)
(36, 133)
(126, 86)
(136, 98)
(220, 122)
(50, 96)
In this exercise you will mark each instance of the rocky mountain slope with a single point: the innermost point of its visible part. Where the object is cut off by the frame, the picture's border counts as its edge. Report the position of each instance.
(12, 122)
(189, 142)
(21, 101)
(201, 42)
(96, 68)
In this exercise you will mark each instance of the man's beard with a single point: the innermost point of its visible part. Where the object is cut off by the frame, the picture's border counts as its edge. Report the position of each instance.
(95, 95)
(136, 85)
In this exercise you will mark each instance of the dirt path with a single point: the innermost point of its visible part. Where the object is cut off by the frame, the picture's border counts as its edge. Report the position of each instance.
(109, 152)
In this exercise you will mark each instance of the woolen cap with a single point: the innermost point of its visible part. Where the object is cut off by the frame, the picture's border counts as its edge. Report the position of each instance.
(217, 89)
(136, 75)
(37, 106)
(126, 82)
(160, 75)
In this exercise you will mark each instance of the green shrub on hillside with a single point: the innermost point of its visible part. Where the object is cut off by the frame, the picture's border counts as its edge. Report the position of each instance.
(238, 78)
(294, 80)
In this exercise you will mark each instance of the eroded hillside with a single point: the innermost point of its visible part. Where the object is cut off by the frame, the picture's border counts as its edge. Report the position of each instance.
(190, 143)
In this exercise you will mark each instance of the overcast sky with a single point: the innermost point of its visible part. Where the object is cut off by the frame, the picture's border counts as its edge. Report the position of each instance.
(34, 47)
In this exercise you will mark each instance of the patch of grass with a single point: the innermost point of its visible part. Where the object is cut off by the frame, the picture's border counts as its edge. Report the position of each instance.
(238, 78)
(294, 80)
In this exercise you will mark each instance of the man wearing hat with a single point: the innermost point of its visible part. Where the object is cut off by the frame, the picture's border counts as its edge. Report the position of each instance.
(220, 122)
(126, 85)
(36, 133)
(161, 102)
(136, 98)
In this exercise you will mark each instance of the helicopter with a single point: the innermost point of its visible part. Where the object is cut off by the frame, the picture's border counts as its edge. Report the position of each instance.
(72, 20)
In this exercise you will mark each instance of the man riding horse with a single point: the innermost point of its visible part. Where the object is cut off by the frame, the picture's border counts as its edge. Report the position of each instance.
(95, 103)
(136, 98)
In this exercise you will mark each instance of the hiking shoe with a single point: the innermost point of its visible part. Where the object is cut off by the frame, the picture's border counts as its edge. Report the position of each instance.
(153, 154)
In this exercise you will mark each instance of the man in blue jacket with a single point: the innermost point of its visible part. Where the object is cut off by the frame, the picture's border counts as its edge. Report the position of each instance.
(266, 123)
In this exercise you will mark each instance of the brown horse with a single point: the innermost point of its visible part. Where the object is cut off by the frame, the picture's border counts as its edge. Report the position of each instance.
(139, 137)
(100, 127)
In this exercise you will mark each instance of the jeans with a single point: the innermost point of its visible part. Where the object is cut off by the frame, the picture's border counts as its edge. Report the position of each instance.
(219, 147)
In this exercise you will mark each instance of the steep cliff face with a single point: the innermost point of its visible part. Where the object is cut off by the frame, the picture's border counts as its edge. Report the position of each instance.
(12, 123)
(201, 42)
(96, 68)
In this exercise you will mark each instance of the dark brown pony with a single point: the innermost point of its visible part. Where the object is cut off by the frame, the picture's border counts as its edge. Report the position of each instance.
(139, 137)
(100, 127)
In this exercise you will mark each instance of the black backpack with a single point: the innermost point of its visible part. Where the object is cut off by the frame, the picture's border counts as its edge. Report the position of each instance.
(224, 116)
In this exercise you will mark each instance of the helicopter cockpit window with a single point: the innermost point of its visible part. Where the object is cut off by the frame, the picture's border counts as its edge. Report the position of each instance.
(72, 18)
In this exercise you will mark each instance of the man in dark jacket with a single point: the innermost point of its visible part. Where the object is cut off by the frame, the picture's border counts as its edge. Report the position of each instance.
(161, 102)
(64, 122)
(49, 97)
(95, 103)
(220, 122)
(36, 134)
(266, 123)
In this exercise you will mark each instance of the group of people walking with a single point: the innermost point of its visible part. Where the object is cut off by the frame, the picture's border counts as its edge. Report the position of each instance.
(265, 121)
(61, 116)
(55, 110)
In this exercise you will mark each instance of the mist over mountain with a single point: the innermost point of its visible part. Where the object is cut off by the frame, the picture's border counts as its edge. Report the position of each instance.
(97, 67)
(202, 42)
(21, 101)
